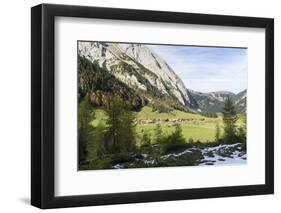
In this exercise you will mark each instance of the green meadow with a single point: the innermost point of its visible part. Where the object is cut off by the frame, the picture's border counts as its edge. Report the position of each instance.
(194, 126)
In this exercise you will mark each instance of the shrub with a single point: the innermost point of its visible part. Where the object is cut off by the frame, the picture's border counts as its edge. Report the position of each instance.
(190, 140)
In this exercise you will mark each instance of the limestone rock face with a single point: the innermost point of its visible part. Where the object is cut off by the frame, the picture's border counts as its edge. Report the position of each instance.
(139, 67)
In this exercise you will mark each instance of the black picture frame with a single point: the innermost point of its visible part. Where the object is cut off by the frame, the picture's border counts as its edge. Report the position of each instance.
(43, 102)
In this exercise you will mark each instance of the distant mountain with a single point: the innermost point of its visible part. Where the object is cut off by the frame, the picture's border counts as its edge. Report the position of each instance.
(140, 69)
(214, 101)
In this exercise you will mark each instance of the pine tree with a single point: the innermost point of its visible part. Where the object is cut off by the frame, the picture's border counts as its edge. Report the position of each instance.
(229, 120)
(173, 140)
(114, 114)
(120, 127)
(177, 135)
(128, 131)
(217, 136)
(145, 139)
(242, 130)
(95, 146)
(85, 130)
(158, 133)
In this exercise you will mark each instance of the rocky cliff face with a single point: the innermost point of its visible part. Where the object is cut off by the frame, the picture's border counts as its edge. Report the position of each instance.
(158, 66)
(140, 68)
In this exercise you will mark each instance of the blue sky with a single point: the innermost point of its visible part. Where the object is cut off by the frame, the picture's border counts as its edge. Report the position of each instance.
(207, 69)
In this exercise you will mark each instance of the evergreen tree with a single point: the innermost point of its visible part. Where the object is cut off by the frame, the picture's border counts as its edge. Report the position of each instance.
(229, 120)
(177, 135)
(128, 131)
(242, 130)
(173, 140)
(95, 146)
(158, 133)
(114, 114)
(120, 127)
(145, 139)
(85, 130)
(217, 136)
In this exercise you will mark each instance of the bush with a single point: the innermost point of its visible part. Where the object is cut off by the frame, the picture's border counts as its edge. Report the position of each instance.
(190, 140)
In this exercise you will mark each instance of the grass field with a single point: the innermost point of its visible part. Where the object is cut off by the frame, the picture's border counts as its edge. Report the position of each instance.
(194, 126)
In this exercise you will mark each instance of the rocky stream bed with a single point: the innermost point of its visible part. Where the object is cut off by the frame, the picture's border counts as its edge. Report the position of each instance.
(215, 155)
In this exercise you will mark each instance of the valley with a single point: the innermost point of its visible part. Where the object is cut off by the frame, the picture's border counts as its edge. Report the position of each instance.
(135, 112)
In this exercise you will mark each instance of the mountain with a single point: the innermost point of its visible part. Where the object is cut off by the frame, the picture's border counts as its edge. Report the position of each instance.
(140, 69)
(139, 76)
(145, 56)
(214, 101)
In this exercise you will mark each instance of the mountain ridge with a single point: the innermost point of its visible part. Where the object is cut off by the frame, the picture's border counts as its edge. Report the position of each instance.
(145, 72)
(214, 101)
(135, 72)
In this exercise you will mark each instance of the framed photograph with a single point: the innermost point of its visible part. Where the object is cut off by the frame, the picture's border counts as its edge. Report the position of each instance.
(139, 106)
